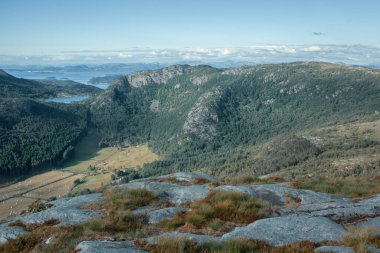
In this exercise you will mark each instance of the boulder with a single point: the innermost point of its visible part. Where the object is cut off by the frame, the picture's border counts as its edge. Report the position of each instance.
(12, 232)
(335, 249)
(279, 231)
(107, 247)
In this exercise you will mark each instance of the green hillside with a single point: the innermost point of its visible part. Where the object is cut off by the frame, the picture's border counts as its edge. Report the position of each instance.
(202, 117)
(248, 121)
(12, 87)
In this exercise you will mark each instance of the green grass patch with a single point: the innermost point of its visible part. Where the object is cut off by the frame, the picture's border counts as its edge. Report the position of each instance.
(345, 187)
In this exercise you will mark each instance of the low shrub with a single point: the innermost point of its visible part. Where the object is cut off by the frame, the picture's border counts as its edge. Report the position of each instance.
(220, 209)
(128, 199)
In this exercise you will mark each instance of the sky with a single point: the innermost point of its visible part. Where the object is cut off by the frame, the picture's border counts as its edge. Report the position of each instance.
(100, 31)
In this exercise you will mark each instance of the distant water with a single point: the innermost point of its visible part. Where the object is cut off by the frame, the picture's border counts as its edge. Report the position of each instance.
(80, 77)
(67, 100)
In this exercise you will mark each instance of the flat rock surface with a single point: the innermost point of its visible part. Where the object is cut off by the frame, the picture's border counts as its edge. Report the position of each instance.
(374, 200)
(164, 214)
(335, 249)
(372, 249)
(10, 233)
(371, 223)
(347, 212)
(198, 239)
(279, 231)
(107, 247)
(310, 197)
(67, 211)
(273, 193)
(176, 194)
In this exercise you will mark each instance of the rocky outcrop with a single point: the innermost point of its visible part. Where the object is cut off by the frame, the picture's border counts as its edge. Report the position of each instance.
(273, 193)
(279, 231)
(202, 119)
(316, 217)
(184, 177)
(176, 194)
(107, 247)
(10, 233)
(67, 211)
(156, 76)
(156, 215)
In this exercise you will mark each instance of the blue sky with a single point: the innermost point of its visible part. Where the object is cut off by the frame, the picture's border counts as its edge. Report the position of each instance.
(121, 30)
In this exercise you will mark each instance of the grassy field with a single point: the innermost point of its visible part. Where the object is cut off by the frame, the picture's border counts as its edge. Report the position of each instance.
(89, 154)
(17, 197)
(105, 160)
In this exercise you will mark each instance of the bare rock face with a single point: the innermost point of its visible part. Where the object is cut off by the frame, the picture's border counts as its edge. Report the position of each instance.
(199, 80)
(202, 119)
(154, 106)
(279, 231)
(107, 247)
(156, 76)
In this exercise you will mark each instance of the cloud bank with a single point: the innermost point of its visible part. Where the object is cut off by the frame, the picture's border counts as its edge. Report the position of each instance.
(348, 54)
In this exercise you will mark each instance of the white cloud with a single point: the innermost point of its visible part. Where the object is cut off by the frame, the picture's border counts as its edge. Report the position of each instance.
(350, 54)
(312, 49)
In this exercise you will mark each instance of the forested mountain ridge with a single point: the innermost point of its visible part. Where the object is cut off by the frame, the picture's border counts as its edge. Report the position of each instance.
(203, 117)
(34, 134)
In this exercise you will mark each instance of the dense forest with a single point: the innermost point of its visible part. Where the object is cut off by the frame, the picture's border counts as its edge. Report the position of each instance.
(34, 134)
(198, 117)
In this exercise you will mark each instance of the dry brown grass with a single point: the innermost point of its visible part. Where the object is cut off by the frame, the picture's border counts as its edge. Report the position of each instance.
(346, 187)
(359, 238)
(253, 180)
(219, 213)
(233, 246)
(21, 195)
(197, 181)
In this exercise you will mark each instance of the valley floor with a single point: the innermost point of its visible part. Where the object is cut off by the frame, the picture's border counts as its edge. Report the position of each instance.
(74, 177)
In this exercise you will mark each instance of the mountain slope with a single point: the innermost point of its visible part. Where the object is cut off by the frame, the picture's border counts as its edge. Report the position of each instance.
(12, 87)
(202, 117)
(33, 134)
(69, 87)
